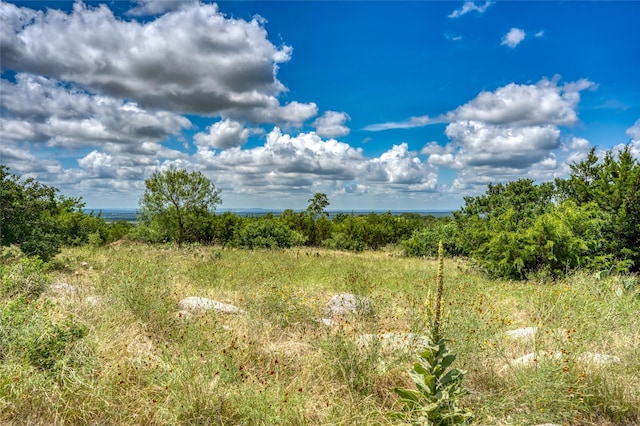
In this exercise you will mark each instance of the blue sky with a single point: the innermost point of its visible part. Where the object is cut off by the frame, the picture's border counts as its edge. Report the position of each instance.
(380, 105)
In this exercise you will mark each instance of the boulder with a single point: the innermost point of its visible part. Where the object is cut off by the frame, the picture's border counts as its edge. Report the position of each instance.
(347, 304)
(195, 304)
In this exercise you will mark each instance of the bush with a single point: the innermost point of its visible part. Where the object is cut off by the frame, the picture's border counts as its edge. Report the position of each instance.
(26, 278)
(265, 233)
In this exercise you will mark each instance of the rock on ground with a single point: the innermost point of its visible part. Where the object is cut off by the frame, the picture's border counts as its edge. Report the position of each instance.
(598, 359)
(198, 304)
(64, 288)
(344, 305)
(347, 304)
(533, 358)
(526, 333)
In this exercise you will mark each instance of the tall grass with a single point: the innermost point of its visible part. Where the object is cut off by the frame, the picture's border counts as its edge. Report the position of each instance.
(139, 363)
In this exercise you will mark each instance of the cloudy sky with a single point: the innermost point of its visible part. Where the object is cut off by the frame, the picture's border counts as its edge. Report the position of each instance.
(380, 105)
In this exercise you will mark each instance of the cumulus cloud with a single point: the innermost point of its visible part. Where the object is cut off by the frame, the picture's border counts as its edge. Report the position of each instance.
(293, 114)
(287, 164)
(223, 134)
(470, 6)
(190, 60)
(510, 132)
(332, 124)
(157, 7)
(634, 131)
(525, 105)
(39, 109)
(577, 144)
(513, 37)
(483, 144)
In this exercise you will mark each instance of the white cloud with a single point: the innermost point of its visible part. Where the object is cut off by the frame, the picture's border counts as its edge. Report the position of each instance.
(510, 133)
(192, 59)
(470, 6)
(223, 134)
(539, 34)
(513, 37)
(525, 105)
(288, 164)
(406, 124)
(578, 144)
(482, 144)
(634, 131)
(157, 7)
(38, 109)
(293, 114)
(332, 124)
(452, 37)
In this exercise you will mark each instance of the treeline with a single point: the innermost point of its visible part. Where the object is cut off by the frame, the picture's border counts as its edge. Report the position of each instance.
(521, 229)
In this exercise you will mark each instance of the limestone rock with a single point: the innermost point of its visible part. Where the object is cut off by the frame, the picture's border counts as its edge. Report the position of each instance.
(526, 333)
(64, 288)
(599, 359)
(532, 358)
(347, 304)
(196, 304)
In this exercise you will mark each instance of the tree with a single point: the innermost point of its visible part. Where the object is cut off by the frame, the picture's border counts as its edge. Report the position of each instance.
(174, 195)
(318, 204)
(34, 216)
(614, 185)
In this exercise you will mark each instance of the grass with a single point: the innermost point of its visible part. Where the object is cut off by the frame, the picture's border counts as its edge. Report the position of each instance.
(135, 362)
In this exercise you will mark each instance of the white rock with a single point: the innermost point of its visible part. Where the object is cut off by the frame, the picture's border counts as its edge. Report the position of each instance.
(327, 322)
(533, 358)
(526, 333)
(197, 304)
(64, 288)
(346, 304)
(600, 359)
(92, 300)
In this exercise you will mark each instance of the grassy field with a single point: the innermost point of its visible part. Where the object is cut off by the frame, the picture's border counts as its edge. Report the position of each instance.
(116, 352)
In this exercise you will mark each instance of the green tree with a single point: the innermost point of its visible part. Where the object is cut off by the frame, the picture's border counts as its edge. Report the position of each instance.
(613, 184)
(33, 215)
(318, 204)
(174, 195)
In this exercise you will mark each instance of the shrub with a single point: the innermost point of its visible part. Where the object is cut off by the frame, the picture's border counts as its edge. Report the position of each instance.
(26, 278)
(265, 233)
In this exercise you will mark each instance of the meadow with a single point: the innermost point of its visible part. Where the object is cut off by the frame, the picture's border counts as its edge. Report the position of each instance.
(117, 352)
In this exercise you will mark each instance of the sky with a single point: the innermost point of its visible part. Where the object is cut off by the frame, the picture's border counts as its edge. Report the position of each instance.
(379, 105)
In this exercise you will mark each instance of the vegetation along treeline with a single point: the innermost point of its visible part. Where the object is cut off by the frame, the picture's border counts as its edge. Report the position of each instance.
(591, 220)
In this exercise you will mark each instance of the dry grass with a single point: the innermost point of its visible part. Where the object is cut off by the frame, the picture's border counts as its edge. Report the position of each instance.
(141, 364)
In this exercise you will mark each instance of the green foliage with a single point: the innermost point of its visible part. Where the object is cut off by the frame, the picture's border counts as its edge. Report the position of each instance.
(27, 277)
(174, 198)
(437, 399)
(613, 184)
(29, 332)
(424, 242)
(518, 230)
(45, 350)
(318, 205)
(39, 220)
(265, 233)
